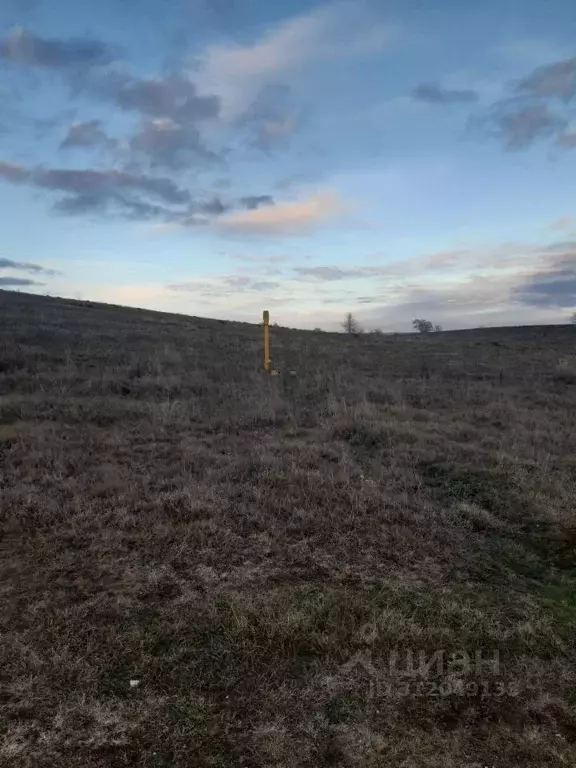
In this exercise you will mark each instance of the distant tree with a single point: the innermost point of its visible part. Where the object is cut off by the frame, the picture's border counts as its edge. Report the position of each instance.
(317, 330)
(350, 324)
(376, 332)
(422, 326)
(437, 328)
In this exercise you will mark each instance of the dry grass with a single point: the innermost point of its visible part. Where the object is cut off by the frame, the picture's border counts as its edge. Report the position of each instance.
(232, 541)
(566, 371)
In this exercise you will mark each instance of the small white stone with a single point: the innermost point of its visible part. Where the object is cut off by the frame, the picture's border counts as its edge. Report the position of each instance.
(134, 683)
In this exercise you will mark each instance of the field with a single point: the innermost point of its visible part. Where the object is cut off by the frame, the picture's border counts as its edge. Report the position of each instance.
(206, 566)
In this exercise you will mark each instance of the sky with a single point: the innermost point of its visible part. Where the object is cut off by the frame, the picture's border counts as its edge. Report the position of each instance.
(401, 159)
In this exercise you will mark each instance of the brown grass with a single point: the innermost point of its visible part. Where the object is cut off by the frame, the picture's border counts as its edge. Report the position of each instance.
(253, 550)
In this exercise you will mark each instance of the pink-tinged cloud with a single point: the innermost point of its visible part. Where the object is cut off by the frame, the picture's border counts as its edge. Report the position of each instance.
(288, 218)
(235, 73)
(568, 140)
(564, 222)
(13, 172)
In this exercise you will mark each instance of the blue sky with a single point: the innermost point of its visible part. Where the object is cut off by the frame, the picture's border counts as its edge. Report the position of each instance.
(217, 157)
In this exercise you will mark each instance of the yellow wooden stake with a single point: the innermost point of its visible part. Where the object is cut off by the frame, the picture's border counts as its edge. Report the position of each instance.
(266, 319)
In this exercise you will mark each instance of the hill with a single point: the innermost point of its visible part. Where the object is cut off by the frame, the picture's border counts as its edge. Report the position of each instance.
(367, 560)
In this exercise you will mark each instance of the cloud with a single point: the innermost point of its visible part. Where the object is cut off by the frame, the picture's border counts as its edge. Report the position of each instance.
(172, 111)
(113, 204)
(173, 97)
(13, 172)
(106, 183)
(287, 218)
(554, 286)
(537, 109)
(18, 281)
(222, 8)
(567, 140)
(170, 145)
(224, 286)
(520, 128)
(86, 135)
(214, 207)
(250, 259)
(23, 47)
(563, 247)
(265, 285)
(563, 222)
(144, 197)
(506, 283)
(328, 273)
(552, 80)
(236, 73)
(271, 118)
(106, 191)
(274, 131)
(25, 266)
(252, 202)
(435, 94)
(518, 124)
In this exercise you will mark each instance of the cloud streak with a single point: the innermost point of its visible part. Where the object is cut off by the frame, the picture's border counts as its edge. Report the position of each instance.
(104, 191)
(435, 94)
(23, 47)
(236, 73)
(145, 197)
(224, 286)
(18, 281)
(13, 172)
(332, 274)
(26, 266)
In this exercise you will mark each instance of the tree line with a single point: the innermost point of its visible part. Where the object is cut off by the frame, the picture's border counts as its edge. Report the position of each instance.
(351, 325)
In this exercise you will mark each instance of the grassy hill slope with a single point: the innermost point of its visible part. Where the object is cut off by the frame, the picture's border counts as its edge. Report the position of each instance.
(267, 558)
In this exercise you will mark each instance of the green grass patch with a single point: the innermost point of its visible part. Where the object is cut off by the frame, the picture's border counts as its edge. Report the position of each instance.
(484, 487)
(560, 601)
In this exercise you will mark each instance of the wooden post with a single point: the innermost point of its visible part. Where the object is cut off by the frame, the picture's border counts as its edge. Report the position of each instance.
(266, 319)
